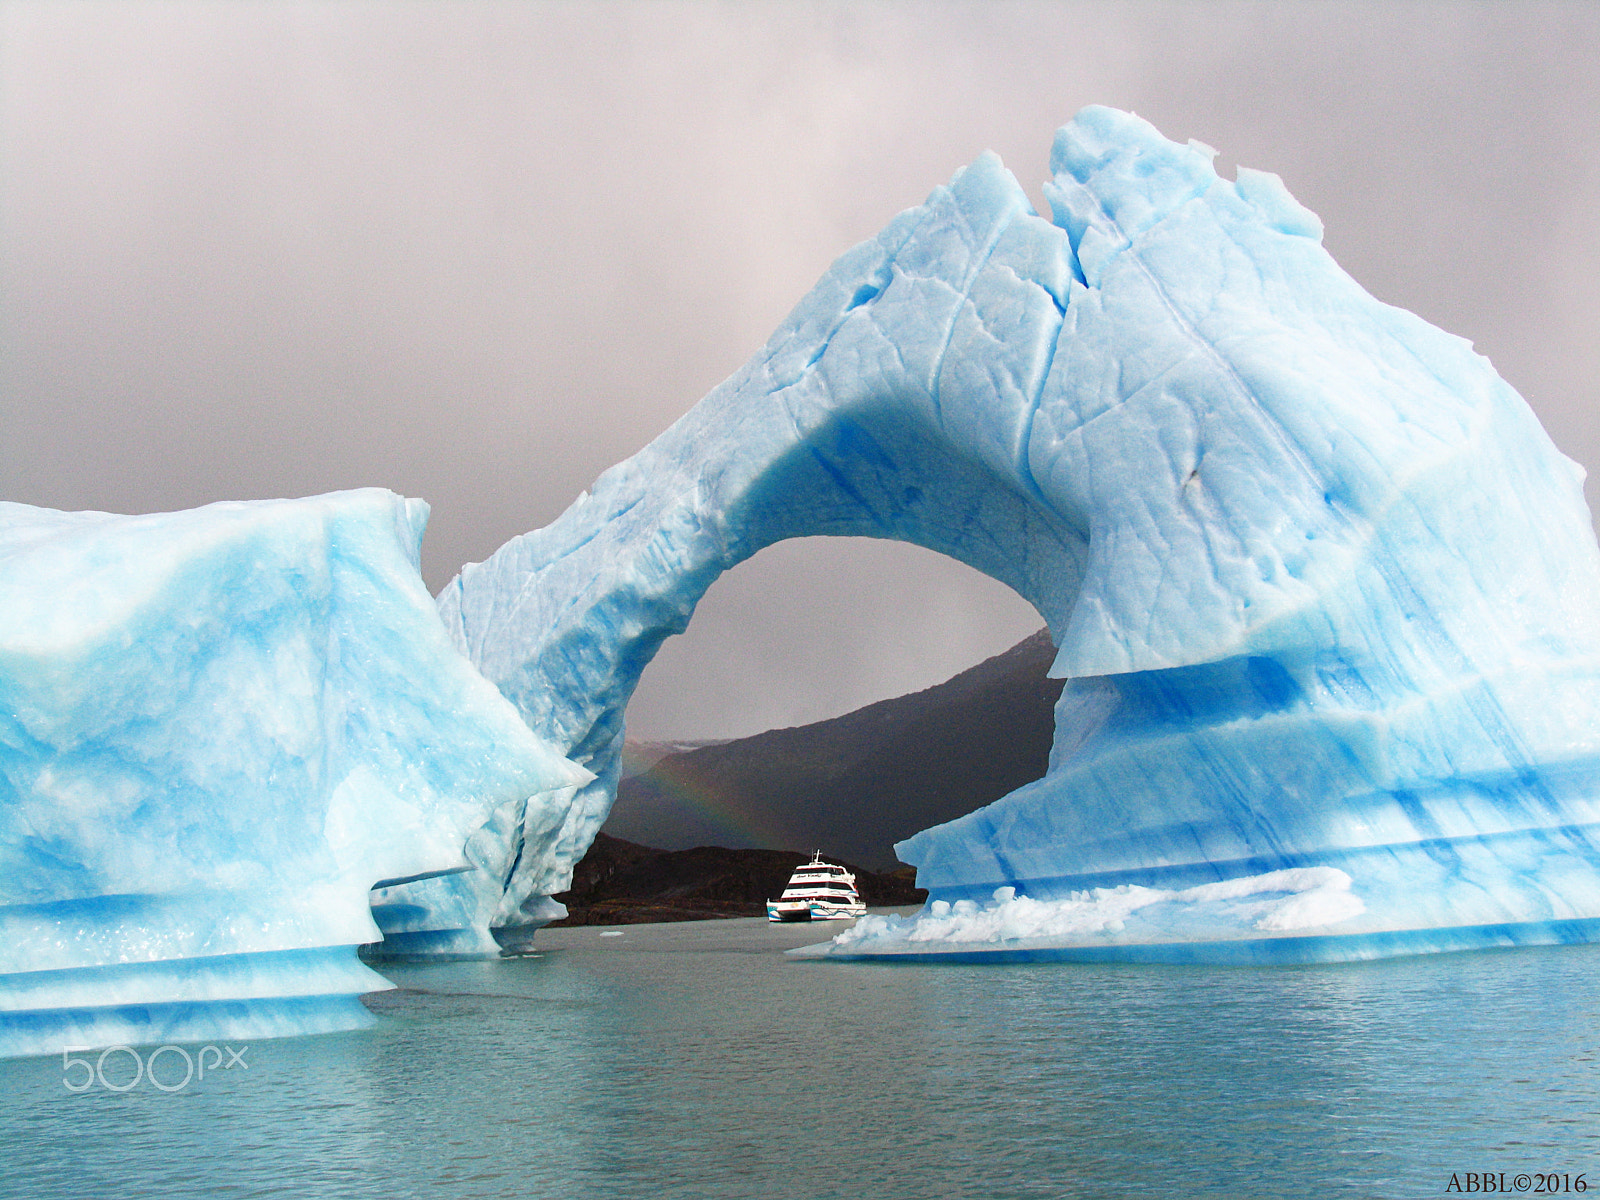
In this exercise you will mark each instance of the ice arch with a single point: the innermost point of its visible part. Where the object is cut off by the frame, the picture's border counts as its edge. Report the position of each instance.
(839, 427)
(1322, 587)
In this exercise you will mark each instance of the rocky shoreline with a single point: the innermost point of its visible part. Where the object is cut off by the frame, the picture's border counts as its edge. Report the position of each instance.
(623, 883)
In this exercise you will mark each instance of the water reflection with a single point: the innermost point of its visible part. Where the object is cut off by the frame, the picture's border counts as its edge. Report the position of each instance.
(697, 1060)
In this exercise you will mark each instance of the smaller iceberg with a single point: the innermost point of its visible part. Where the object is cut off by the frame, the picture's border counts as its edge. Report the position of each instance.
(218, 730)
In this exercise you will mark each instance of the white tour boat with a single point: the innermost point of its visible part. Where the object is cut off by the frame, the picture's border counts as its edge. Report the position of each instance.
(817, 891)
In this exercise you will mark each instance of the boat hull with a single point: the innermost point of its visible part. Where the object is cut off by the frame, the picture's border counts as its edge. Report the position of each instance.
(788, 914)
(811, 912)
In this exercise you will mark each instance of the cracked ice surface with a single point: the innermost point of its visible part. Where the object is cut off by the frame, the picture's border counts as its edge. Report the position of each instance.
(1322, 588)
(218, 729)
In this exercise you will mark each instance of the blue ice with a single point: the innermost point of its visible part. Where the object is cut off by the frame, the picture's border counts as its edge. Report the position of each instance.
(218, 730)
(1322, 588)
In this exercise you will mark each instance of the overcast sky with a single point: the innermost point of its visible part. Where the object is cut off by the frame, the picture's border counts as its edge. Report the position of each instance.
(478, 252)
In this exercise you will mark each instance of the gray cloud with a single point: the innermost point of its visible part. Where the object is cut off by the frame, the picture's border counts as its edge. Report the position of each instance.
(479, 252)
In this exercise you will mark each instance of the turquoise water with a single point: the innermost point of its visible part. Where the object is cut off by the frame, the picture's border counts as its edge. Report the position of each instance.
(697, 1061)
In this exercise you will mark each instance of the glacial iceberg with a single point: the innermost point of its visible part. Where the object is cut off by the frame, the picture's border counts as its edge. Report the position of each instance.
(1322, 588)
(218, 729)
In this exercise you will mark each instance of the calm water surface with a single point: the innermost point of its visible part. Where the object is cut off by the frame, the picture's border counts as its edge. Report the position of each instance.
(696, 1060)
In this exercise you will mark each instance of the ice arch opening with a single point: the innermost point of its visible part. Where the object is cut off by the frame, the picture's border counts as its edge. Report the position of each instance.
(1322, 590)
(641, 576)
(842, 426)
(784, 678)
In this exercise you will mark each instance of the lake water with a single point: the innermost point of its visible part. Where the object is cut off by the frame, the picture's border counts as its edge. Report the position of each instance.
(695, 1060)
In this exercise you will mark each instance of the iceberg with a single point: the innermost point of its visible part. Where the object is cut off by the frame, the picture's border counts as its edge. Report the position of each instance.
(218, 730)
(1322, 589)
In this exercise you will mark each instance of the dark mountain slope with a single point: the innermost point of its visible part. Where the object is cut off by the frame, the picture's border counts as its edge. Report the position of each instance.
(620, 883)
(857, 784)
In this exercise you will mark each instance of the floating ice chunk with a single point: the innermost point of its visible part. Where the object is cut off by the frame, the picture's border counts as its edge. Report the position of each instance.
(1277, 902)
